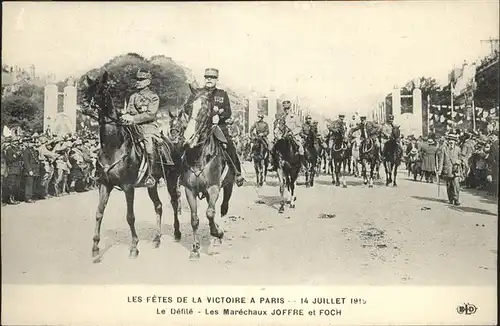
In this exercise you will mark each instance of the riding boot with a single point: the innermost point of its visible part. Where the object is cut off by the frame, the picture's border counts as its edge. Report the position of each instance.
(237, 170)
(150, 181)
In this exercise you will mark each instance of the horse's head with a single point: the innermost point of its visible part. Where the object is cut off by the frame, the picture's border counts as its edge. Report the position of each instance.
(197, 99)
(96, 95)
(396, 133)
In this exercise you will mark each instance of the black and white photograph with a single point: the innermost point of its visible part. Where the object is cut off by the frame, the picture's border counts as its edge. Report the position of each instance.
(249, 144)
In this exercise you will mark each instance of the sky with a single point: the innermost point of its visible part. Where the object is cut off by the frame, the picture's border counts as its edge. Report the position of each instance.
(336, 56)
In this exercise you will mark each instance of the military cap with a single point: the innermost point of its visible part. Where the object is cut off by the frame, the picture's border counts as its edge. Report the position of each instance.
(341, 115)
(363, 117)
(143, 74)
(286, 102)
(260, 115)
(211, 72)
(308, 117)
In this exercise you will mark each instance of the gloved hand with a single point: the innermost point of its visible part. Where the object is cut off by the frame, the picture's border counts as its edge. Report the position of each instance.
(127, 119)
(215, 119)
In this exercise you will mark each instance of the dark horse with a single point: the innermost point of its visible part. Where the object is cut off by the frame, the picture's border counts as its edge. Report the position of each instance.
(368, 156)
(311, 149)
(289, 164)
(119, 161)
(260, 156)
(338, 153)
(392, 155)
(205, 168)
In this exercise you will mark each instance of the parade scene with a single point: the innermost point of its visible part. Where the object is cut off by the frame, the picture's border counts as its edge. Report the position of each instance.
(249, 156)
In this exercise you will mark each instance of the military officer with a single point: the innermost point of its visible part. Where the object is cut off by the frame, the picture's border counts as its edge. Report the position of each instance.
(260, 129)
(370, 130)
(220, 112)
(48, 159)
(287, 124)
(141, 111)
(31, 159)
(306, 127)
(337, 124)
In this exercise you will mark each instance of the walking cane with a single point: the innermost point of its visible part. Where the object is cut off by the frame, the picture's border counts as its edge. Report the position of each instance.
(438, 183)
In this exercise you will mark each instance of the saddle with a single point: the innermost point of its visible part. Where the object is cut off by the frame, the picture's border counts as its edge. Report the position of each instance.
(162, 154)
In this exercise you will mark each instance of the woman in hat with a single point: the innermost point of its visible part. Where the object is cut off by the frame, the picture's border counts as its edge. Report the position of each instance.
(428, 155)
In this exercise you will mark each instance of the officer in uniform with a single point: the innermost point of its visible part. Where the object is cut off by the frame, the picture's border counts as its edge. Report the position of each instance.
(287, 124)
(368, 130)
(260, 129)
(141, 111)
(338, 124)
(48, 159)
(306, 127)
(220, 112)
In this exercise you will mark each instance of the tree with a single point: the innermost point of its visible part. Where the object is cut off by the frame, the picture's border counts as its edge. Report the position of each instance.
(18, 110)
(168, 79)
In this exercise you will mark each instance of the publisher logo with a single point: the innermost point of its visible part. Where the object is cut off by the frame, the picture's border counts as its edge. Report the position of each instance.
(466, 309)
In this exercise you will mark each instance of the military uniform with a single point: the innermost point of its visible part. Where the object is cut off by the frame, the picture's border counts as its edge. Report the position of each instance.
(48, 159)
(260, 129)
(368, 129)
(141, 111)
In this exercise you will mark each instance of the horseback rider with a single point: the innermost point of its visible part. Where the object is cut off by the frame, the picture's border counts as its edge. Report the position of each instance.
(287, 124)
(260, 129)
(369, 130)
(306, 128)
(387, 129)
(141, 111)
(220, 112)
(337, 125)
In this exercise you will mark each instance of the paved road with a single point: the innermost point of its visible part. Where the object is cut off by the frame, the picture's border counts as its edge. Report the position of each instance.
(378, 236)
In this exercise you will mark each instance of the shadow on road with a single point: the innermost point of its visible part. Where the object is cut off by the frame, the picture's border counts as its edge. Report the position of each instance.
(462, 209)
(271, 201)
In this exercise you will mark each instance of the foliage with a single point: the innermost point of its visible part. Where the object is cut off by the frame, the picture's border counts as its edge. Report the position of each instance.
(168, 79)
(24, 107)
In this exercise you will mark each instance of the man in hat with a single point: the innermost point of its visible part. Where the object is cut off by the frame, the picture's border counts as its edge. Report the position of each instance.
(287, 124)
(369, 130)
(466, 153)
(387, 129)
(141, 111)
(306, 127)
(338, 125)
(31, 159)
(220, 112)
(449, 168)
(48, 158)
(260, 129)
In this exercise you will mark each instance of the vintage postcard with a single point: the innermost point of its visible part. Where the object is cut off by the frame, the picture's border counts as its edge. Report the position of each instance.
(250, 163)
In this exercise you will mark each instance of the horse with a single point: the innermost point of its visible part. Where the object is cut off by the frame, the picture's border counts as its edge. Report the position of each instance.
(119, 164)
(392, 155)
(205, 169)
(288, 169)
(260, 156)
(338, 148)
(311, 157)
(346, 162)
(354, 144)
(368, 156)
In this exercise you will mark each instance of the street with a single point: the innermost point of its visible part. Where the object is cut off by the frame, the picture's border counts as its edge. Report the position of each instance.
(353, 236)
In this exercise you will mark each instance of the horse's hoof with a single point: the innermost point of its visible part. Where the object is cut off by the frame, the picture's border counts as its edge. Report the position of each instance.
(194, 256)
(133, 253)
(365, 182)
(370, 186)
(281, 209)
(395, 185)
(95, 252)
(156, 243)
(292, 205)
(177, 236)
(344, 186)
(337, 184)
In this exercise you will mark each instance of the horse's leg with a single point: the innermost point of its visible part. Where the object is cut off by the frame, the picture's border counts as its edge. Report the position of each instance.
(344, 182)
(195, 222)
(338, 171)
(129, 196)
(266, 163)
(372, 167)
(174, 192)
(388, 172)
(395, 167)
(364, 171)
(215, 232)
(227, 192)
(153, 194)
(291, 187)
(281, 179)
(104, 192)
